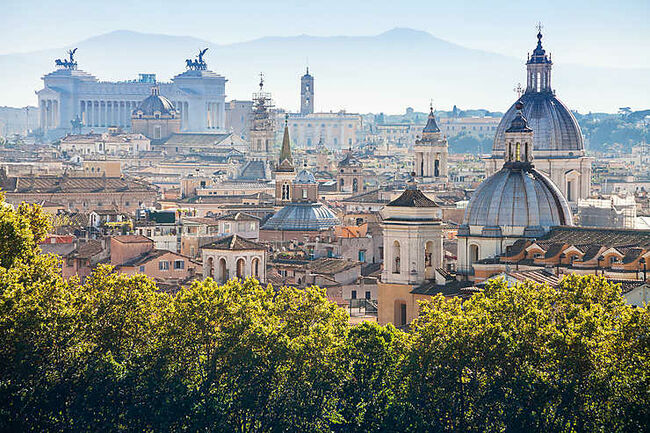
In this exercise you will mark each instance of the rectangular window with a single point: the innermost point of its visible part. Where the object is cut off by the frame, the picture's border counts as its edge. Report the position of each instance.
(163, 265)
(354, 294)
(142, 268)
(179, 264)
(367, 294)
(362, 256)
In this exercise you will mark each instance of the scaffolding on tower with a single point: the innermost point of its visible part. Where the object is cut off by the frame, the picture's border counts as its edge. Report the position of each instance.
(262, 104)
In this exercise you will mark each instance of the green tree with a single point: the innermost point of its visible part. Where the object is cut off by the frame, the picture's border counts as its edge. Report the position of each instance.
(252, 358)
(528, 358)
(20, 232)
(372, 356)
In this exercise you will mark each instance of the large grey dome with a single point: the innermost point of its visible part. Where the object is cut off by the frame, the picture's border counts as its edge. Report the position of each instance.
(155, 103)
(517, 196)
(302, 216)
(555, 127)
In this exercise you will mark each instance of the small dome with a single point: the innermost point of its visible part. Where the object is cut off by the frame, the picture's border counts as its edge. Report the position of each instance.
(555, 127)
(302, 216)
(155, 103)
(305, 177)
(518, 196)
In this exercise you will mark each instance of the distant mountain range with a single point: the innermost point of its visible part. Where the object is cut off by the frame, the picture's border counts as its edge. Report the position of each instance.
(382, 73)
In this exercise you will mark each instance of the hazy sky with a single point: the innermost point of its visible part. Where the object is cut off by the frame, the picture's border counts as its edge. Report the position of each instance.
(593, 32)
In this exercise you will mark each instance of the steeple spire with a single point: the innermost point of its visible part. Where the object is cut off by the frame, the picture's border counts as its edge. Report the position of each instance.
(286, 158)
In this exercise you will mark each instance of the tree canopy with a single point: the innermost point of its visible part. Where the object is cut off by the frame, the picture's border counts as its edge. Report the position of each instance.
(116, 354)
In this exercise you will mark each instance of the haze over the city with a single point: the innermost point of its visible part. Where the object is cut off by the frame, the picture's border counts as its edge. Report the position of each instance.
(360, 61)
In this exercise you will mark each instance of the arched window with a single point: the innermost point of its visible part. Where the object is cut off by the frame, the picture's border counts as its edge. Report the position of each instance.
(428, 254)
(211, 267)
(436, 169)
(223, 271)
(240, 268)
(256, 267)
(341, 182)
(355, 185)
(396, 257)
(526, 152)
(286, 191)
(518, 151)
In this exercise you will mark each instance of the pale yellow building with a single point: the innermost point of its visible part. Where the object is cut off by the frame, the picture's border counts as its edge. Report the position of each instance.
(334, 130)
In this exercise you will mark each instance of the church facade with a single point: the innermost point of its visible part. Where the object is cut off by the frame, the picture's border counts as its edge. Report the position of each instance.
(72, 95)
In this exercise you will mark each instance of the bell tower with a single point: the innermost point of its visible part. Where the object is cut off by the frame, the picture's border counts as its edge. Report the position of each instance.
(306, 94)
(431, 153)
(284, 170)
(262, 132)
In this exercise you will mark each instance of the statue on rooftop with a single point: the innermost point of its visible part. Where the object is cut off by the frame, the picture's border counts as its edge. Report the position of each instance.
(68, 63)
(198, 64)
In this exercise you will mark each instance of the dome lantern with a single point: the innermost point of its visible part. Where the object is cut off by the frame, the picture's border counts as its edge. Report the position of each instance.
(539, 68)
(519, 139)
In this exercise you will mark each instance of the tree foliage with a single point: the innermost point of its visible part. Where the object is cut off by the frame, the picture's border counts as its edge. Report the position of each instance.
(116, 354)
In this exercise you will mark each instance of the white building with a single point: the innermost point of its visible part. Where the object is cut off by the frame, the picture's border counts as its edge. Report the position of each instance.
(113, 142)
(70, 93)
(234, 257)
(333, 130)
(413, 254)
